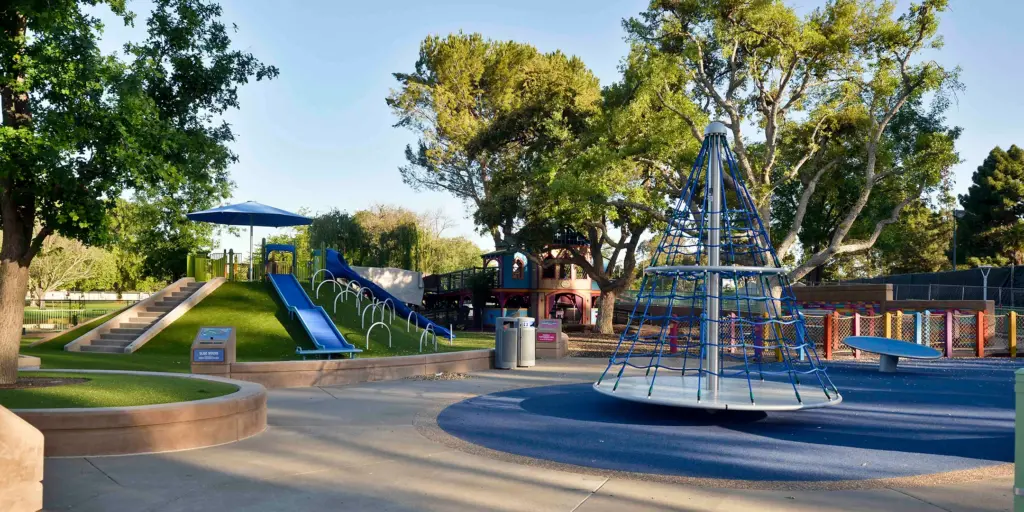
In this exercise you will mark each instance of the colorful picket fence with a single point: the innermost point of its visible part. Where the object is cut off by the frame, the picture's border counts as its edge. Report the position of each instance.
(954, 334)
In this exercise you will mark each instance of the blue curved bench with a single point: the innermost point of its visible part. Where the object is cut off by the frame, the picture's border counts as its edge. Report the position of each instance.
(890, 350)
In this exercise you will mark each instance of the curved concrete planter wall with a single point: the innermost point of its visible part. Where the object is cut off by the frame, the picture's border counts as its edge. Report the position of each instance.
(295, 374)
(152, 428)
(21, 464)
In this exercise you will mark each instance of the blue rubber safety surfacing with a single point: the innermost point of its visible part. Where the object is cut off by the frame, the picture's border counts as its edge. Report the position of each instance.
(929, 418)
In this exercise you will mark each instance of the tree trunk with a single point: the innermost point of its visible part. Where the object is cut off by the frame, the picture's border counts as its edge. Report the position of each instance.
(13, 285)
(606, 311)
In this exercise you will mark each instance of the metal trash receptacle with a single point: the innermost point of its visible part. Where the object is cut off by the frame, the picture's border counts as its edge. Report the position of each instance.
(506, 343)
(527, 342)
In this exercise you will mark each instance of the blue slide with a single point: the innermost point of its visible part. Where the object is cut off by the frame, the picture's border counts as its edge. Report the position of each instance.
(314, 319)
(337, 266)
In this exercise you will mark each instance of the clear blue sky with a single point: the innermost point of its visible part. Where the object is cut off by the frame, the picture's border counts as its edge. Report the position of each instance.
(321, 136)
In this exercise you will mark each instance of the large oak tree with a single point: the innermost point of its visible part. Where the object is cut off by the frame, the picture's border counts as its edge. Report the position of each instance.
(795, 91)
(79, 128)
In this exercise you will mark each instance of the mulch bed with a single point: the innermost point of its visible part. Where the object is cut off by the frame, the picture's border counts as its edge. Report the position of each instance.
(43, 382)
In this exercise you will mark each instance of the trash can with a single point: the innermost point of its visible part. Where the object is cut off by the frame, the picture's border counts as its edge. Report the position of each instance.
(527, 342)
(506, 343)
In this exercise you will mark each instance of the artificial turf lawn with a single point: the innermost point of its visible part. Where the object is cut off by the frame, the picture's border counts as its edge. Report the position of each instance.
(404, 341)
(111, 390)
(264, 332)
(53, 355)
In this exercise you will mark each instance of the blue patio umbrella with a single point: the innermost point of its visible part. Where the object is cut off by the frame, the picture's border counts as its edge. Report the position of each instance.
(250, 214)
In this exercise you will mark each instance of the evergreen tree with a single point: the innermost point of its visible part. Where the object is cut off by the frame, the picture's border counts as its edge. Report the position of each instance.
(992, 227)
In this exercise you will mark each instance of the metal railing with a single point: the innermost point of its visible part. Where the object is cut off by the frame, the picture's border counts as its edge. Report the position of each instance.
(59, 317)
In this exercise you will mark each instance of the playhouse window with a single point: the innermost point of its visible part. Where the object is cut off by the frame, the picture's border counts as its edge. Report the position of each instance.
(565, 272)
(549, 270)
(517, 269)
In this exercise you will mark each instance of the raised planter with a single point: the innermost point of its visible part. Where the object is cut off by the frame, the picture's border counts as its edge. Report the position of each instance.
(294, 374)
(28, 362)
(152, 428)
(21, 464)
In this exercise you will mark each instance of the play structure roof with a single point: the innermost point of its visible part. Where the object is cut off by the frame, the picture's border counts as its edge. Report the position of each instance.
(250, 213)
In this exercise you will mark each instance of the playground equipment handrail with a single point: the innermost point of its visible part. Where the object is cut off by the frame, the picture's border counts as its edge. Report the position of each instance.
(371, 329)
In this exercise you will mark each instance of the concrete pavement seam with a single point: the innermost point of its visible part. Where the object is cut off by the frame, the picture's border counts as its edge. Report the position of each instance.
(101, 471)
(922, 500)
(587, 497)
(325, 391)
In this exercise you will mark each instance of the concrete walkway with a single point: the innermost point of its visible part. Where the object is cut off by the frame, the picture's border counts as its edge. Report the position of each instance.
(363, 448)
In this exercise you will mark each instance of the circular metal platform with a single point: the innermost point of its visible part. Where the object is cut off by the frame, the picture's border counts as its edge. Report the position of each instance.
(733, 394)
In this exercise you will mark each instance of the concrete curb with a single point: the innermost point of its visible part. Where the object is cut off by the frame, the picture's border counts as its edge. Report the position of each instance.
(295, 374)
(152, 428)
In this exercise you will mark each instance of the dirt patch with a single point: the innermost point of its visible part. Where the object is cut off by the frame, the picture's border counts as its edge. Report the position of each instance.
(43, 382)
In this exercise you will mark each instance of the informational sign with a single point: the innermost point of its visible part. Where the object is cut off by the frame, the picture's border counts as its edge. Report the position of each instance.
(214, 333)
(549, 324)
(208, 355)
(546, 337)
(213, 346)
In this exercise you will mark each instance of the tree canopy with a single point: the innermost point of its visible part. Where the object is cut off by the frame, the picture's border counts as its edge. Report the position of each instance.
(80, 128)
(822, 91)
(992, 228)
(486, 112)
(392, 236)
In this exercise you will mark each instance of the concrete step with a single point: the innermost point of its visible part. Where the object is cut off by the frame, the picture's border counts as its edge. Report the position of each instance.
(108, 350)
(111, 343)
(159, 309)
(134, 325)
(151, 315)
(118, 336)
(122, 330)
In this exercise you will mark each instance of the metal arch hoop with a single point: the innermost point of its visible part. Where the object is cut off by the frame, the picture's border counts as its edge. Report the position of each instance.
(408, 321)
(368, 331)
(373, 309)
(343, 294)
(312, 279)
(325, 281)
(388, 303)
(429, 328)
(722, 269)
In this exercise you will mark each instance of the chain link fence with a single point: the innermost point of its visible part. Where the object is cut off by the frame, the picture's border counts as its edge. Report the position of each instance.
(934, 331)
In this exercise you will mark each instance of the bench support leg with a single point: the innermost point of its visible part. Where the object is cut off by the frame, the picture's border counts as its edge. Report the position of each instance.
(887, 364)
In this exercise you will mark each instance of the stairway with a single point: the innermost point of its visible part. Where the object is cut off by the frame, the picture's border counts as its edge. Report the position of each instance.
(115, 341)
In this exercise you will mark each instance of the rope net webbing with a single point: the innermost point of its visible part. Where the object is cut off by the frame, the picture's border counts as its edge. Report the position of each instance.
(760, 330)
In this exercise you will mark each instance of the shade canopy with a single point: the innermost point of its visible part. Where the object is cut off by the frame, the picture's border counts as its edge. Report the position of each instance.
(250, 213)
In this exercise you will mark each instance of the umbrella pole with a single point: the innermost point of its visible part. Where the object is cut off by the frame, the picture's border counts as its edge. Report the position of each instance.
(252, 257)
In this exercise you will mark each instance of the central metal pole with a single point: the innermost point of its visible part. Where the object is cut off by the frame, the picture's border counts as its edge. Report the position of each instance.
(714, 251)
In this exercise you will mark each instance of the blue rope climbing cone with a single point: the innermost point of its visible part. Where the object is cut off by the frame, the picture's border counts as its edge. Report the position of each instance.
(715, 324)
